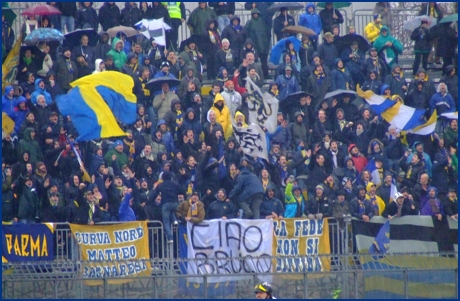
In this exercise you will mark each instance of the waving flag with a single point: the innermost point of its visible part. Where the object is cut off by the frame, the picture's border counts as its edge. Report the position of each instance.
(381, 244)
(252, 140)
(10, 65)
(453, 115)
(395, 113)
(154, 28)
(263, 107)
(97, 101)
(428, 127)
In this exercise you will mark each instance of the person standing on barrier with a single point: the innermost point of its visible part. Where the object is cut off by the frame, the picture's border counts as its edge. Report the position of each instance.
(170, 192)
(249, 193)
(264, 291)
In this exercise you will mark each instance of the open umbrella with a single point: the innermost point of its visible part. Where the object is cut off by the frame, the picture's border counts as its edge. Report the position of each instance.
(340, 93)
(291, 101)
(280, 47)
(449, 18)
(9, 14)
(336, 5)
(43, 35)
(193, 38)
(73, 38)
(128, 31)
(344, 42)
(155, 84)
(299, 29)
(289, 5)
(414, 23)
(41, 10)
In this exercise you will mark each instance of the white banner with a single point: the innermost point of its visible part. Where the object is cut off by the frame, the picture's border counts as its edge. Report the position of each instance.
(263, 107)
(252, 140)
(212, 245)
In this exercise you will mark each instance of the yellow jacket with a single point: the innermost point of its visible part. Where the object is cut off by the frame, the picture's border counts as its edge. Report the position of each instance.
(378, 200)
(372, 31)
(223, 116)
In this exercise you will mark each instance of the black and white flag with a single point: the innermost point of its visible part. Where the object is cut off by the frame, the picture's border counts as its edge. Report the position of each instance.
(252, 140)
(263, 107)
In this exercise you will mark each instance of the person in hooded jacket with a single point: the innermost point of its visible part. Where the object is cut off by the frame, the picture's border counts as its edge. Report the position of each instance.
(86, 17)
(422, 37)
(451, 80)
(102, 47)
(109, 15)
(397, 82)
(160, 11)
(199, 18)
(227, 57)
(353, 58)
(340, 77)
(373, 83)
(329, 17)
(51, 85)
(310, 19)
(156, 53)
(40, 90)
(119, 56)
(360, 207)
(236, 36)
(223, 116)
(189, 76)
(259, 32)
(211, 43)
(280, 22)
(271, 207)
(21, 109)
(442, 173)
(8, 101)
(319, 205)
(130, 14)
(192, 122)
(248, 47)
(146, 11)
(66, 70)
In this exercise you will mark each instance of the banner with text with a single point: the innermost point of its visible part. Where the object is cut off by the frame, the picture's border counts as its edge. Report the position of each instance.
(300, 240)
(113, 251)
(214, 245)
(27, 242)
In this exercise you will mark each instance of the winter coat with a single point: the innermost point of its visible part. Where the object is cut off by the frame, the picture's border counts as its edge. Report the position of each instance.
(228, 59)
(218, 209)
(247, 185)
(278, 26)
(341, 80)
(40, 91)
(442, 103)
(168, 189)
(30, 145)
(311, 20)
(109, 16)
(318, 91)
(358, 209)
(328, 21)
(393, 51)
(395, 82)
(198, 18)
(29, 206)
(55, 90)
(447, 42)
(417, 99)
(184, 208)
(86, 18)
(386, 16)
(373, 85)
(8, 103)
(68, 9)
(158, 12)
(295, 207)
(232, 100)
(130, 15)
(223, 10)
(102, 49)
(236, 37)
(317, 205)
(163, 106)
(64, 75)
(451, 82)
(422, 38)
(259, 33)
(223, 116)
(271, 205)
(328, 53)
(125, 212)
(392, 209)
(372, 31)
(441, 173)
(192, 124)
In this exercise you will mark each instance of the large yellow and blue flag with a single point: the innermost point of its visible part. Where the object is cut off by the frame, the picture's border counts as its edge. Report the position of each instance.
(96, 102)
(395, 113)
(10, 65)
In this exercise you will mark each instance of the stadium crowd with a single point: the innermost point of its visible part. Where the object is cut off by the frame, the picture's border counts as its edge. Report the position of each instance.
(180, 161)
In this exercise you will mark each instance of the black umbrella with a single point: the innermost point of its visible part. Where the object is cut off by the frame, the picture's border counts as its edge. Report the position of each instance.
(192, 39)
(289, 5)
(344, 42)
(33, 49)
(291, 101)
(73, 38)
(339, 93)
(155, 84)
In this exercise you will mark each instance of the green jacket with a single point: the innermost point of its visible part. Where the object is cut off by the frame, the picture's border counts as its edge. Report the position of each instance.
(390, 52)
(259, 32)
(122, 158)
(30, 145)
(197, 20)
(119, 57)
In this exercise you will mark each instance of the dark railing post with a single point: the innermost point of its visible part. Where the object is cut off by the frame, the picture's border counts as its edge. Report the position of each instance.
(406, 283)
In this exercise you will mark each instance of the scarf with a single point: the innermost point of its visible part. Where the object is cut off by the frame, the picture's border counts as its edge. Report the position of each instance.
(68, 63)
(27, 60)
(275, 91)
(131, 149)
(319, 77)
(237, 28)
(193, 210)
(434, 206)
(228, 55)
(179, 119)
(30, 23)
(362, 207)
(304, 154)
(342, 124)
(397, 76)
(433, 12)
(214, 37)
(334, 157)
(265, 184)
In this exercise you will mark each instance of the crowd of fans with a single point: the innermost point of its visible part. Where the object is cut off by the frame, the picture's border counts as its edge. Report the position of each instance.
(180, 161)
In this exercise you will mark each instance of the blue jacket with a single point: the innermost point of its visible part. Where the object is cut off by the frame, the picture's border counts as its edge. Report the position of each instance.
(287, 86)
(340, 79)
(292, 203)
(312, 21)
(442, 104)
(125, 212)
(247, 185)
(40, 91)
(8, 104)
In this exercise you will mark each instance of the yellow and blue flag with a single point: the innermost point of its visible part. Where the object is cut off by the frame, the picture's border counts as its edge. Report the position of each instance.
(10, 65)
(381, 243)
(96, 102)
(395, 113)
